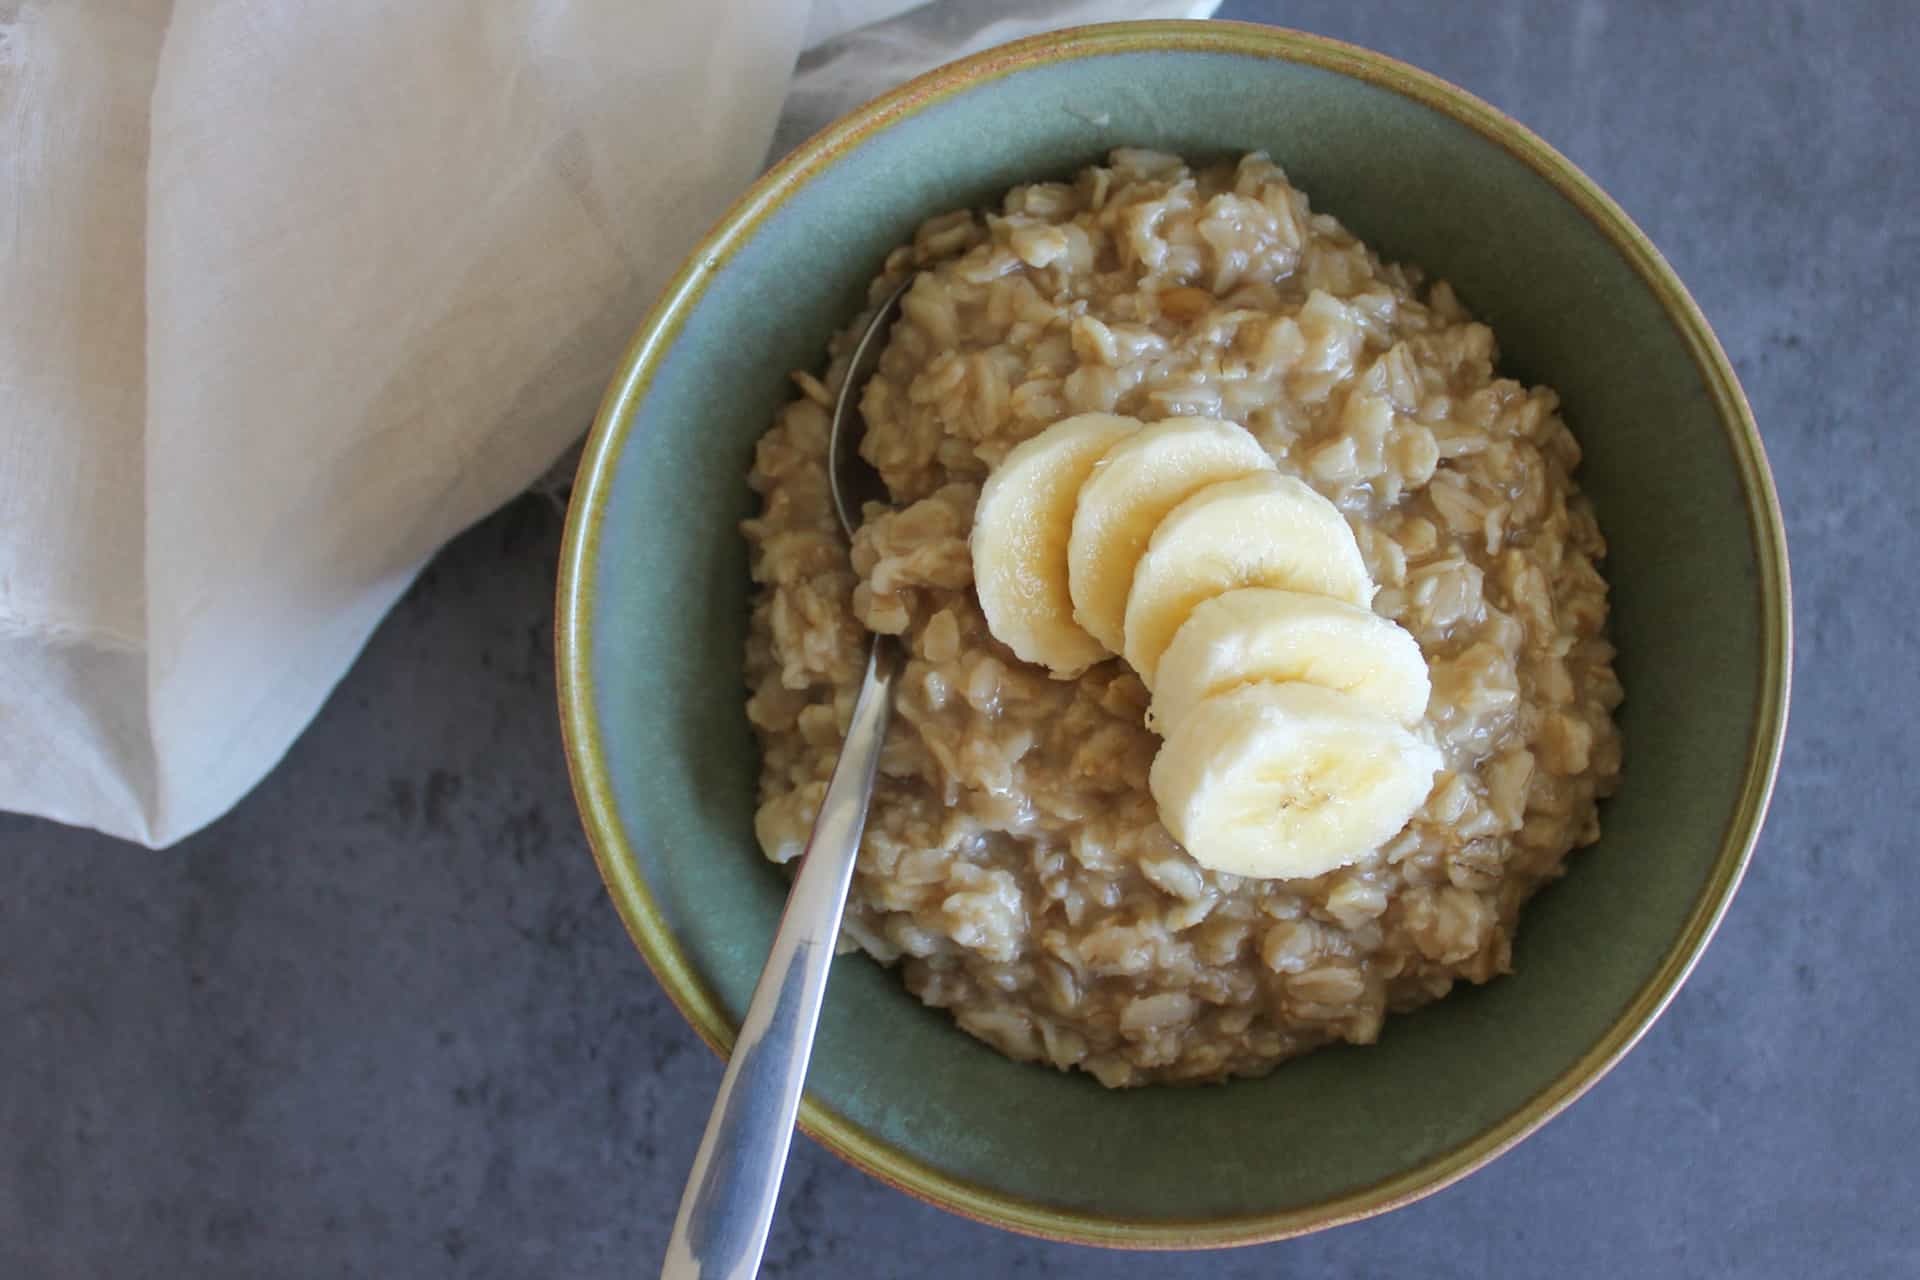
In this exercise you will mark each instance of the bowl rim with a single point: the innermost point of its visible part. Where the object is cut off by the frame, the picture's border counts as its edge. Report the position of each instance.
(588, 767)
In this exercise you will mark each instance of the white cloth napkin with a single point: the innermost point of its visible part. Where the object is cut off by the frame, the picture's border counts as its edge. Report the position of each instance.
(293, 292)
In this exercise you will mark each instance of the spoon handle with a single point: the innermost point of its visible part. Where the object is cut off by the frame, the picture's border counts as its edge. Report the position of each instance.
(728, 1203)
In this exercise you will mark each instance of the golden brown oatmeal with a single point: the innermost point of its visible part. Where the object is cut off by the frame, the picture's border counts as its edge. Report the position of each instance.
(1014, 868)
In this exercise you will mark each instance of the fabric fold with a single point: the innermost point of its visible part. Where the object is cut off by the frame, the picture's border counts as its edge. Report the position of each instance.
(304, 290)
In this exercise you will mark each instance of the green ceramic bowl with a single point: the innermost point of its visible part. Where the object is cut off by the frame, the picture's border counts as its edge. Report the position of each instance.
(653, 613)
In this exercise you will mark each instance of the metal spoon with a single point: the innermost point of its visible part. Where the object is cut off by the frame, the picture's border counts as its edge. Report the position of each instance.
(728, 1203)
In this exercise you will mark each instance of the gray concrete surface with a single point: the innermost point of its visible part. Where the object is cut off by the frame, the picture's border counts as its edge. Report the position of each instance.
(380, 1021)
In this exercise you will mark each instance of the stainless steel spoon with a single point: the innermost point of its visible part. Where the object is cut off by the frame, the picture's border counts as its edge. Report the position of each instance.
(728, 1203)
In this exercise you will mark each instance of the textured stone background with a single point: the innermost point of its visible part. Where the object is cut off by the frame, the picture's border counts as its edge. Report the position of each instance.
(380, 1021)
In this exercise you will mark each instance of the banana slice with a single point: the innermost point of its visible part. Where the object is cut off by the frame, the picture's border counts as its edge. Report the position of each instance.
(1288, 781)
(1262, 530)
(1129, 493)
(1259, 633)
(1020, 532)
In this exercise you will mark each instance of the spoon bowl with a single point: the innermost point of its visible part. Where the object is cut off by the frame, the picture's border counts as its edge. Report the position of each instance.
(850, 476)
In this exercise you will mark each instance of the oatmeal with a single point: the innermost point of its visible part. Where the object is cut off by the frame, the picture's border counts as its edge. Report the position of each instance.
(1015, 868)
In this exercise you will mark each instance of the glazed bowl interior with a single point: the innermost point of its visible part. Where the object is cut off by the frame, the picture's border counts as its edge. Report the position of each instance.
(654, 612)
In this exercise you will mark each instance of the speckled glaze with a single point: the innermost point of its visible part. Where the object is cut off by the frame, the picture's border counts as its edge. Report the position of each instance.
(652, 612)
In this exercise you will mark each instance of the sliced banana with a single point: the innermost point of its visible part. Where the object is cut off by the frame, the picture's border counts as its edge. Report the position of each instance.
(1019, 543)
(1262, 530)
(1130, 491)
(1288, 781)
(1260, 633)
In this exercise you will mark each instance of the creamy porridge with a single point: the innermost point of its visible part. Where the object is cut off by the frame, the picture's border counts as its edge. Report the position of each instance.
(1015, 868)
